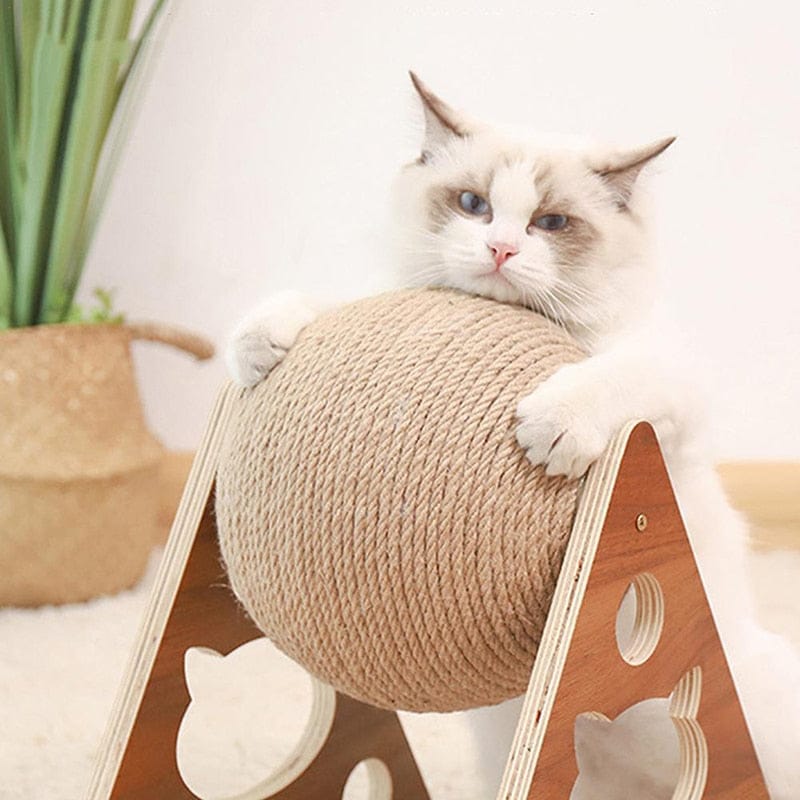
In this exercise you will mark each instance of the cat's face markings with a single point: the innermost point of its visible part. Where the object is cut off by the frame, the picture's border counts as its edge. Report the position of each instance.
(518, 192)
(444, 199)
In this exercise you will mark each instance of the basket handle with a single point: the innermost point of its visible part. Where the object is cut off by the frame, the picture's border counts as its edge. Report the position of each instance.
(193, 343)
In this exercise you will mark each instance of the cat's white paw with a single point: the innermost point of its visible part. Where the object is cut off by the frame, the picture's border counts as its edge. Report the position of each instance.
(264, 337)
(251, 356)
(561, 425)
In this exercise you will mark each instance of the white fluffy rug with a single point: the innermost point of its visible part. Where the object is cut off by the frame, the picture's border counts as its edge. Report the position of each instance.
(59, 670)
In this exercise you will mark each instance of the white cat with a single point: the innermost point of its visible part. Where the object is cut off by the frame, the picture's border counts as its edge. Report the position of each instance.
(636, 755)
(560, 226)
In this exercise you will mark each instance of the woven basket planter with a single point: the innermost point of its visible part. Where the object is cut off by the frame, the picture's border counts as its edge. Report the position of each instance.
(79, 470)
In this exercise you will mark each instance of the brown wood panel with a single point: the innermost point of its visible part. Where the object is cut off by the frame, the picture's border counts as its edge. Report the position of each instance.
(596, 678)
(204, 613)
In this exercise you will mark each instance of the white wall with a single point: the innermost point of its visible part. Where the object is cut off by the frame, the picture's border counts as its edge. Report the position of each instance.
(271, 130)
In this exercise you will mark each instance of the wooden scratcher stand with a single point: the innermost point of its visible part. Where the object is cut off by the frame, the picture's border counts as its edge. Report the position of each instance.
(627, 531)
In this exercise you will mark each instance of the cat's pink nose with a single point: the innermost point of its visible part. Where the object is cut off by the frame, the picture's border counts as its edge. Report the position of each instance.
(501, 252)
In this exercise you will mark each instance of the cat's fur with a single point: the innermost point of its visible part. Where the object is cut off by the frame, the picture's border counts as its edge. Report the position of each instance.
(594, 276)
(636, 755)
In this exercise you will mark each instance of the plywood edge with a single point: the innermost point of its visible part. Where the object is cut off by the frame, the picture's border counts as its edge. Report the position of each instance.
(182, 535)
(593, 506)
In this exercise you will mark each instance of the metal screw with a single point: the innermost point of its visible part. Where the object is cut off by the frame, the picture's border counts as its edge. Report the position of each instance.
(641, 522)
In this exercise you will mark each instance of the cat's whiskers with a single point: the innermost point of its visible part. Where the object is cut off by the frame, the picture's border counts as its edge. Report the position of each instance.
(567, 303)
(430, 273)
(546, 301)
(588, 306)
(530, 283)
(538, 299)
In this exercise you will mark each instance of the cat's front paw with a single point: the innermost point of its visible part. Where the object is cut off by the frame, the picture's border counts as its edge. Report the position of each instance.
(250, 357)
(561, 427)
(264, 337)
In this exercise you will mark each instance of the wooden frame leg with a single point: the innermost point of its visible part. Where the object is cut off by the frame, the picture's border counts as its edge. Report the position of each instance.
(628, 527)
(192, 605)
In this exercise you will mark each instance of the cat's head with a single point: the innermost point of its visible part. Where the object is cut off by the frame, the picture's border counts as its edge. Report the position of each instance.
(551, 224)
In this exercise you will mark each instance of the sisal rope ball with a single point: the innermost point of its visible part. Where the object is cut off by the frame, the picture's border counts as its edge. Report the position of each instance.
(377, 517)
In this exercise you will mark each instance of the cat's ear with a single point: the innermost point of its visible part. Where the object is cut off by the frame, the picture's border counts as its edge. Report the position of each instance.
(199, 663)
(590, 744)
(620, 170)
(442, 123)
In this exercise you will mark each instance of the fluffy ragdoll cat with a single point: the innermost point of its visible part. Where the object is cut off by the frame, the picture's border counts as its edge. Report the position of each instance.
(560, 226)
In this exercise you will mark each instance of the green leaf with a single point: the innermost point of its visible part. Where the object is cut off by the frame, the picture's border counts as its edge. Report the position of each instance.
(102, 313)
(136, 57)
(68, 70)
(28, 23)
(56, 47)
(9, 172)
(6, 287)
(74, 314)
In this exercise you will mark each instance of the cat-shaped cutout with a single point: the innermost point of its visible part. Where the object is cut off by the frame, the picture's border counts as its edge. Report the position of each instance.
(654, 750)
(255, 722)
(635, 755)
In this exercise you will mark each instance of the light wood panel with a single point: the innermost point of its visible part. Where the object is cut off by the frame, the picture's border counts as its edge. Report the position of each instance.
(769, 495)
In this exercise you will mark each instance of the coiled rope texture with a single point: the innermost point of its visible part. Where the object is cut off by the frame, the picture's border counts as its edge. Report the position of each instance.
(377, 518)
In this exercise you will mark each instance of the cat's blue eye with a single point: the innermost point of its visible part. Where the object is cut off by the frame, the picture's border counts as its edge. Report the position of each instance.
(551, 222)
(473, 203)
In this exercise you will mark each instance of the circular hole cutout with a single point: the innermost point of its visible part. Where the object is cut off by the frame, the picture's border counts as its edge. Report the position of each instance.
(369, 780)
(640, 619)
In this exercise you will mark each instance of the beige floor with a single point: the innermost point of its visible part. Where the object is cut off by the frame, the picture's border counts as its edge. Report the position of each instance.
(767, 492)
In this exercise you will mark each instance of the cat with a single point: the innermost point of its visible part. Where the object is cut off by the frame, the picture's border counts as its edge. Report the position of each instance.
(561, 226)
(636, 755)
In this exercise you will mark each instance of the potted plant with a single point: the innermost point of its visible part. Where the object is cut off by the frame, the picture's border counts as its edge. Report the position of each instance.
(78, 467)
